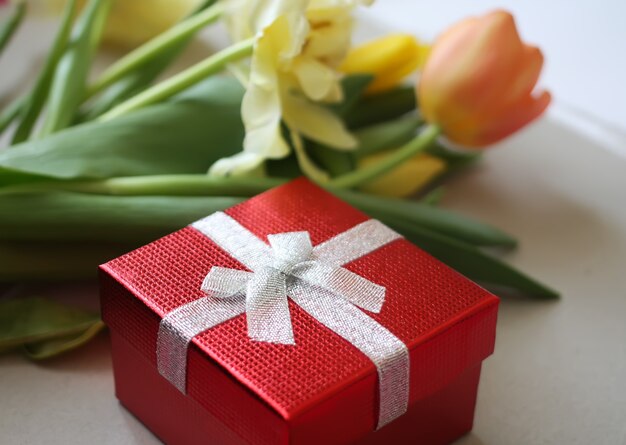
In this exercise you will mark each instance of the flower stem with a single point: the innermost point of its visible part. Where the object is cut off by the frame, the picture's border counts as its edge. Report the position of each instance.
(8, 28)
(170, 185)
(183, 80)
(421, 142)
(154, 47)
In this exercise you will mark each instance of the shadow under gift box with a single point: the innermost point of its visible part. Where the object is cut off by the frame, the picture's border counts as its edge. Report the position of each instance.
(323, 390)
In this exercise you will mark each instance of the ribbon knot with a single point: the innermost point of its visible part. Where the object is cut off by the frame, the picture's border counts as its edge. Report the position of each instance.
(292, 263)
(290, 250)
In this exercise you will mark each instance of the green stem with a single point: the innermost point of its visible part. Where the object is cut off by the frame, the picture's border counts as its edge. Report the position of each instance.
(8, 28)
(155, 47)
(420, 143)
(183, 80)
(172, 185)
(36, 99)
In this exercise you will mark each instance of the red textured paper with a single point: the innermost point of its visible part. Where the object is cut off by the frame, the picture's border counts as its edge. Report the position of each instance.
(446, 321)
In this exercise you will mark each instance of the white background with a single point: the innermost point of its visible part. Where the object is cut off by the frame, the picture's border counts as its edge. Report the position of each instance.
(558, 374)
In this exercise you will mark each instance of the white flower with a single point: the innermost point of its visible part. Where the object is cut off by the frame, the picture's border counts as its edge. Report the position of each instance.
(293, 72)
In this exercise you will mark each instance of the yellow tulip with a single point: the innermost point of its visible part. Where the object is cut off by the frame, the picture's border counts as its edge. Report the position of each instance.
(407, 178)
(478, 83)
(390, 59)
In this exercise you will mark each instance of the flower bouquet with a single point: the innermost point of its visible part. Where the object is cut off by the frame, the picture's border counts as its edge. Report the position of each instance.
(101, 163)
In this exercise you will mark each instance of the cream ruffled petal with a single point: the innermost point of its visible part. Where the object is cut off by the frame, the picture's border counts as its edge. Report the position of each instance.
(317, 80)
(317, 123)
(238, 164)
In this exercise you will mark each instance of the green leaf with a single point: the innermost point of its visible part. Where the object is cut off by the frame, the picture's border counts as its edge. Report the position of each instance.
(334, 161)
(382, 107)
(11, 24)
(438, 220)
(184, 135)
(70, 78)
(470, 261)
(60, 215)
(57, 346)
(28, 320)
(71, 217)
(137, 220)
(35, 100)
(386, 135)
(353, 88)
(454, 159)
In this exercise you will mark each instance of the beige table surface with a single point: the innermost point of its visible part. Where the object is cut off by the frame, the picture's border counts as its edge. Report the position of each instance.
(558, 374)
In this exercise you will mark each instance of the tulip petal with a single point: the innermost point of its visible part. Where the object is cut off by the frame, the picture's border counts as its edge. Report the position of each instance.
(238, 164)
(407, 178)
(519, 116)
(390, 59)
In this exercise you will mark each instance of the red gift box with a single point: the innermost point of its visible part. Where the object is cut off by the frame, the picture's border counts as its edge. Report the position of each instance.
(328, 387)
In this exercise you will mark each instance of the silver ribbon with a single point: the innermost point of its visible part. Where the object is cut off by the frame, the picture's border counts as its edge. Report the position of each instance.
(313, 277)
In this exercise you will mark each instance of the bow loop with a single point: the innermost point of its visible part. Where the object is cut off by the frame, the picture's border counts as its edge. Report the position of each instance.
(267, 308)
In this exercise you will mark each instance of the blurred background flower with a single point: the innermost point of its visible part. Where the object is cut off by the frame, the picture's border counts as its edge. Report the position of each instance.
(131, 22)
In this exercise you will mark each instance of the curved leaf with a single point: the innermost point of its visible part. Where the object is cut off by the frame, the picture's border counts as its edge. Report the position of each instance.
(470, 261)
(185, 135)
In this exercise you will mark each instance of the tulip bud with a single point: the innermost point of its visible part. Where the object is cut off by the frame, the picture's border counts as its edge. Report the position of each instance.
(477, 84)
(390, 59)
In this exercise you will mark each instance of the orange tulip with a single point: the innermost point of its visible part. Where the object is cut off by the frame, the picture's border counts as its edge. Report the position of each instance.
(477, 85)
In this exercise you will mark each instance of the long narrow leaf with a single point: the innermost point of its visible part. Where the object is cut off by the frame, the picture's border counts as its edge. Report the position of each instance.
(470, 261)
(137, 220)
(71, 217)
(386, 135)
(20, 199)
(68, 87)
(37, 97)
(382, 107)
(431, 218)
(353, 88)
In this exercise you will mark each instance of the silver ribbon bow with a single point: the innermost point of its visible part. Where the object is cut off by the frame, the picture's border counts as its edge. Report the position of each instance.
(313, 278)
(293, 263)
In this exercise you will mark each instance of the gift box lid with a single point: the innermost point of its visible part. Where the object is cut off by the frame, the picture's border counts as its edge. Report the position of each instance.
(446, 321)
